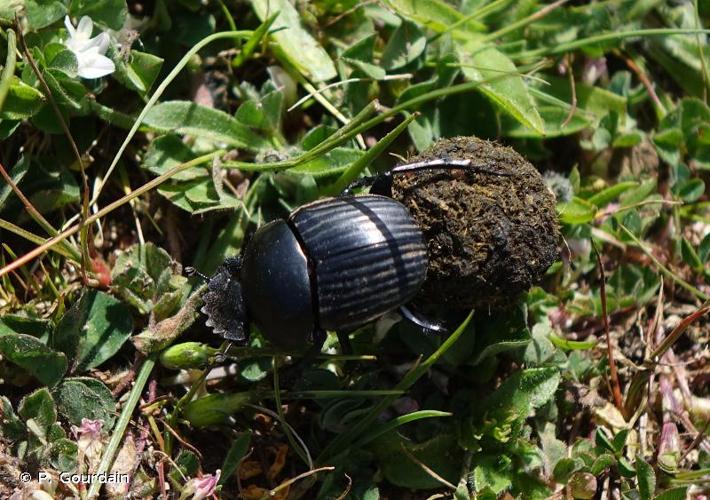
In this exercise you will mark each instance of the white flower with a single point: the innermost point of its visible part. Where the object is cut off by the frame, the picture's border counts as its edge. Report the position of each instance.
(89, 51)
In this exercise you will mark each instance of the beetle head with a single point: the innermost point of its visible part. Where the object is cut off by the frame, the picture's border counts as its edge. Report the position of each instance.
(224, 304)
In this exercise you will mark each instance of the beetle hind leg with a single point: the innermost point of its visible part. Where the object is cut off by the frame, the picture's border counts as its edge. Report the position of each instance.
(428, 326)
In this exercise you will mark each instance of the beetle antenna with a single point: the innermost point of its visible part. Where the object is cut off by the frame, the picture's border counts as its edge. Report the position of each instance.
(191, 271)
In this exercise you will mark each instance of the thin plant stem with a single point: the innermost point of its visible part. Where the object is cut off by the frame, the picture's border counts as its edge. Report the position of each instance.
(29, 236)
(106, 210)
(342, 441)
(701, 55)
(357, 167)
(159, 92)
(34, 213)
(84, 234)
(122, 423)
(603, 37)
(524, 22)
(613, 372)
(9, 70)
(667, 272)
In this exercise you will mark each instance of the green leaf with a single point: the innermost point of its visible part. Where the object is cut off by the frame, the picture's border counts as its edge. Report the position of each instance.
(333, 162)
(262, 114)
(405, 45)
(571, 345)
(198, 196)
(186, 465)
(501, 415)
(564, 468)
(591, 99)
(440, 454)
(11, 427)
(27, 352)
(500, 333)
(293, 42)
(35, 327)
(238, 450)
(691, 190)
(22, 101)
(137, 273)
(66, 62)
(553, 117)
(605, 196)
(703, 248)
(140, 72)
(602, 440)
(41, 13)
(185, 117)
(39, 408)
(577, 211)
(690, 256)
(646, 479)
(63, 454)
(601, 463)
(66, 91)
(93, 329)
(169, 151)
(678, 493)
(492, 472)
(436, 15)
(112, 13)
(85, 397)
(500, 81)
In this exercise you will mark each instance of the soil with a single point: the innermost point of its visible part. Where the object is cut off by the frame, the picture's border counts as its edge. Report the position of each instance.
(491, 229)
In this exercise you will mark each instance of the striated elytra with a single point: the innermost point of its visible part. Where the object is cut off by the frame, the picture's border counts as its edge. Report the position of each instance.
(335, 264)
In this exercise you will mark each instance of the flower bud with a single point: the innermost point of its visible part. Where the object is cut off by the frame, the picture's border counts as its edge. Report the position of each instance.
(215, 408)
(186, 355)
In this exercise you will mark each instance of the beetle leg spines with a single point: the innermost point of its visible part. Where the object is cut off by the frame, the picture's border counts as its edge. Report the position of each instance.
(428, 326)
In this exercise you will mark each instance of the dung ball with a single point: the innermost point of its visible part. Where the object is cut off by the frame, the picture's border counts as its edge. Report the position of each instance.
(491, 229)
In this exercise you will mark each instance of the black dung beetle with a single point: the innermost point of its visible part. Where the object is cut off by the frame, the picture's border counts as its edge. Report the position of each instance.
(334, 264)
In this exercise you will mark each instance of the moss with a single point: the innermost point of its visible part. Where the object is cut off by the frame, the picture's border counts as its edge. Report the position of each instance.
(491, 231)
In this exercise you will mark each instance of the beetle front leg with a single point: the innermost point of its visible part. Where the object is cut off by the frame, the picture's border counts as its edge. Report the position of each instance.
(366, 181)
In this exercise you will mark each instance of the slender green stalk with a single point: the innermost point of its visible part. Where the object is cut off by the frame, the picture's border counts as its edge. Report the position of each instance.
(525, 21)
(398, 422)
(159, 92)
(31, 210)
(61, 249)
(342, 442)
(357, 167)
(701, 55)
(337, 138)
(122, 423)
(357, 126)
(296, 446)
(9, 70)
(475, 15)
(250, 46)
(603, 37)
(228, 16)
